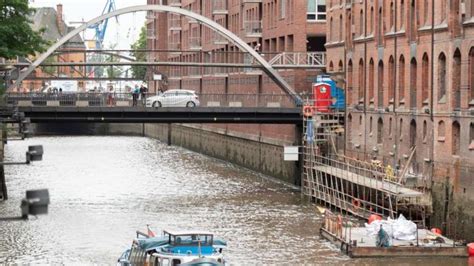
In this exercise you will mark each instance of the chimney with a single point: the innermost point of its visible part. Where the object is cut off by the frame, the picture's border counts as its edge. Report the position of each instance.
(59, 19)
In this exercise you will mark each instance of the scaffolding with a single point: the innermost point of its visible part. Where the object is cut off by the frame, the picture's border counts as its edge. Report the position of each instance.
(353, 186)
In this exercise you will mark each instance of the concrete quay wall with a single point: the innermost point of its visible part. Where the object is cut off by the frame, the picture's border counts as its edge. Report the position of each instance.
(264, 155)
(261, 155)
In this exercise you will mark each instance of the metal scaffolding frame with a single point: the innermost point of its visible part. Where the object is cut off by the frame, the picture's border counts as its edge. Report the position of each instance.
(352, 186)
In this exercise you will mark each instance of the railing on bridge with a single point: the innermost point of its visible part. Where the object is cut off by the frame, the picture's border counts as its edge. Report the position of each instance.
(316, 59)
(126, 99)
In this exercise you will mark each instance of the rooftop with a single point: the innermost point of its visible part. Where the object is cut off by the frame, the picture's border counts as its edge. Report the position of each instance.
(45, 18)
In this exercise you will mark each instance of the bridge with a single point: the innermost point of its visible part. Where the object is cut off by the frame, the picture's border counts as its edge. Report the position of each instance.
(118, 108)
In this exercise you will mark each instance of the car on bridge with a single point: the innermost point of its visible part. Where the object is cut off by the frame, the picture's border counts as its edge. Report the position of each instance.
(174, 98)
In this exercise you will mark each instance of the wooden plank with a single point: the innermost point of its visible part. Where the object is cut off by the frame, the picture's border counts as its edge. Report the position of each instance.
(369, 182)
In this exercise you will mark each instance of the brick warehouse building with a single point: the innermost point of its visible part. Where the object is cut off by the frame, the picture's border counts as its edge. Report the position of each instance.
(271, 26)
(52, 21)
(409, 76)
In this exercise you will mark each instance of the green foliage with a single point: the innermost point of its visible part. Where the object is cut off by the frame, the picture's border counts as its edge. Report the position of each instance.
(50, 69)
(139, 71)
(16, 36)
(113, 71)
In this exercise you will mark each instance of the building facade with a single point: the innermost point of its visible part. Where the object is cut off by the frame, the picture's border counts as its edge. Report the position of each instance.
(409, 76)
(52, 22)
(270, 26)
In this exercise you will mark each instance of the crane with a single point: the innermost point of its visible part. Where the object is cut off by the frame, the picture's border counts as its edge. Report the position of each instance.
(101, 28)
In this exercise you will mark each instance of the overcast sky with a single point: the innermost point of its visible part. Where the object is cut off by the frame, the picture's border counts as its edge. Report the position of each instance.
(125, 33)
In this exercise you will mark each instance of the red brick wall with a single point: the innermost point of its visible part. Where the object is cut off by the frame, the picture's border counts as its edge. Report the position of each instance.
(453, 36)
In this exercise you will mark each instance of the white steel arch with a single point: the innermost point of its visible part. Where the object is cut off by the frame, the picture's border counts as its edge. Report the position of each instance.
(161, 8)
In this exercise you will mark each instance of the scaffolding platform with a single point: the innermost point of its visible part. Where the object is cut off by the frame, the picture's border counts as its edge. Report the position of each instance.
(350, 185)
(389, 187)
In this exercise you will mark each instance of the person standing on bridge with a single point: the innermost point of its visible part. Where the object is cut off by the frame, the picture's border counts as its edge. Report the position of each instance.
(143, 91)
(135, 93)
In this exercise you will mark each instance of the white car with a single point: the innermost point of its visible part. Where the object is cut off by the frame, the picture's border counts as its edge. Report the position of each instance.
(174, 98)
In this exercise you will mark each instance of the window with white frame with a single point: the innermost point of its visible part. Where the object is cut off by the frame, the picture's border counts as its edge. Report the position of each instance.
(316, 10)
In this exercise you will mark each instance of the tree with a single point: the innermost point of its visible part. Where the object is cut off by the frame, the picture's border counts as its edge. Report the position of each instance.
(139, 72)
(113, 71)
(17, 38)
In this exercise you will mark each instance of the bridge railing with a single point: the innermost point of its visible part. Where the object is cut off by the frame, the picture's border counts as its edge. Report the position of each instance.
(213, 100)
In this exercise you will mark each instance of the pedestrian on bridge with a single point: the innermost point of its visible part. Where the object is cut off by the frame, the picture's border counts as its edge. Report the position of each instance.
(143, 91)
(135, 94)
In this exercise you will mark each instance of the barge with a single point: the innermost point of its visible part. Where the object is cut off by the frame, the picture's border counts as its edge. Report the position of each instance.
(355, 242)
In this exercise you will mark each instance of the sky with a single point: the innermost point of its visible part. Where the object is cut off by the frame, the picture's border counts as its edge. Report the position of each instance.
(123, 34)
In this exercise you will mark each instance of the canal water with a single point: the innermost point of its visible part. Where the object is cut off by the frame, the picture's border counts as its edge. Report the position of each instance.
(103, 189)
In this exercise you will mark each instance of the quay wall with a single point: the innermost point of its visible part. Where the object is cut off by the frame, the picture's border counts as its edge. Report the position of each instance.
(61, 129)
(255, 153)
(258, 153)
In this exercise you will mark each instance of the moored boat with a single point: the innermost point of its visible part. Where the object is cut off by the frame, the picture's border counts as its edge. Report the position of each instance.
(175, 248)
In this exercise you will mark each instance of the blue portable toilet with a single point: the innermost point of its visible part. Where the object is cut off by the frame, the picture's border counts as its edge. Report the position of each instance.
(337, 94)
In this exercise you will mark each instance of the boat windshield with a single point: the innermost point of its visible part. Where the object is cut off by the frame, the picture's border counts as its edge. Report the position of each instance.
(190, 240)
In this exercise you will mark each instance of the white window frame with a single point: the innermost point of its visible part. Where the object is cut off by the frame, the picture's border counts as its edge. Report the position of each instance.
(317, 15)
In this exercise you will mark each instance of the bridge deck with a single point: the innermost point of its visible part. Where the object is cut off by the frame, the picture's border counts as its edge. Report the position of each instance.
(242, 115)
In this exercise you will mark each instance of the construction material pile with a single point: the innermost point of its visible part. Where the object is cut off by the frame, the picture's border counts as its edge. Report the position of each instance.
(400, 229)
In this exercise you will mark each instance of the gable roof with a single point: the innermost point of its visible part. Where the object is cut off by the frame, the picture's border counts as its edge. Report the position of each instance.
(45, 18)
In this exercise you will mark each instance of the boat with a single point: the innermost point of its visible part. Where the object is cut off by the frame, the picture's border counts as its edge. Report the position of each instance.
(174, 248)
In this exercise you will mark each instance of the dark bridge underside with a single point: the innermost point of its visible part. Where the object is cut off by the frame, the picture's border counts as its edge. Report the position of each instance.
(162, 115)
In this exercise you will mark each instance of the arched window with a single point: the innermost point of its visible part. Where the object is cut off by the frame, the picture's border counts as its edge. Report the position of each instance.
(391, 79)
(441, 130)
(412, 21)
(392, 17)
(400, 129)
(412, 133)
(413, 78)
(340, 66)
(425, 130)
(370, 125)
(390, 127)
(456, 78)
(361, 80)
(371, 21)
(361, 23)
(472, 9)
(331, 67)
(349, 28)
(380, 131)
(471, 72)
(443, 9)
(349, 83)
(349, 126)
(471, 134)
(380, 27)
(425, 80)
(402, 14)
(341, 29)
(456, 133)
(425, 11)
(380, 84)
(441, 76)
(371, 80)
(331, 35)
(401, 79)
